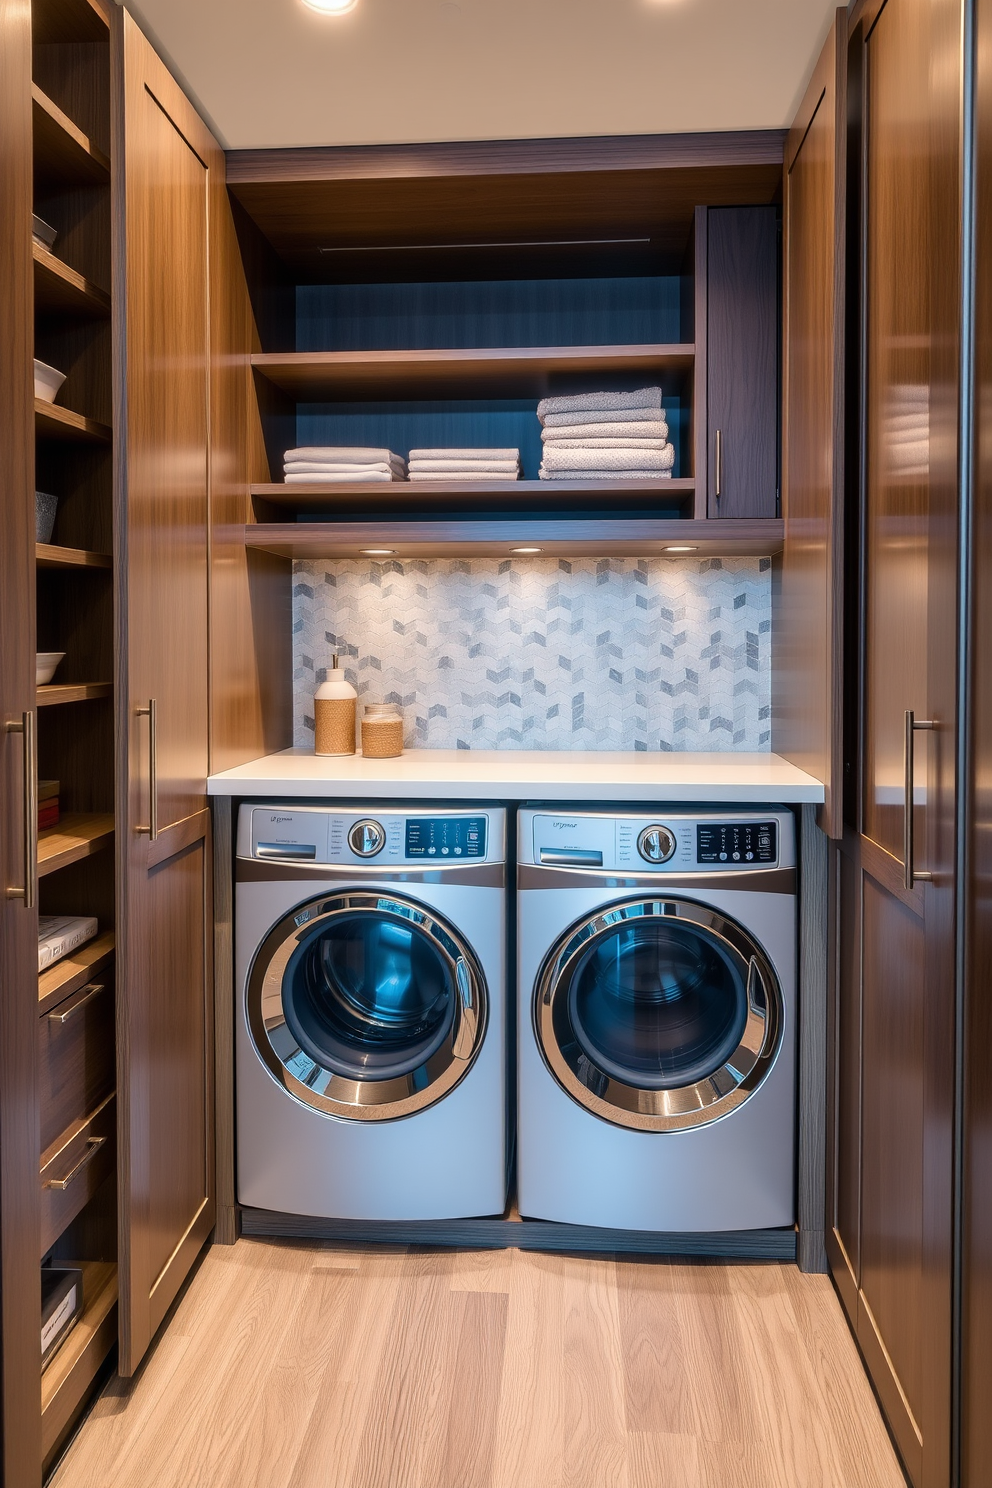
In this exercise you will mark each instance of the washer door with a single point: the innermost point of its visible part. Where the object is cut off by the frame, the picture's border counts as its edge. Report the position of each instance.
(658, 1014)
(366, 1005)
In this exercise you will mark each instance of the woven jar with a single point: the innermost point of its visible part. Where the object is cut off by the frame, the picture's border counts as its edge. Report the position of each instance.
(382, 731)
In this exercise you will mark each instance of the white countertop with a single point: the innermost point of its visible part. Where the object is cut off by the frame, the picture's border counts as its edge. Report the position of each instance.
(523, 775)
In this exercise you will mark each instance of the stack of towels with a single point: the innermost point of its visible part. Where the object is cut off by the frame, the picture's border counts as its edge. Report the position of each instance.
(341, 465)
(605, 436)
(464, 464)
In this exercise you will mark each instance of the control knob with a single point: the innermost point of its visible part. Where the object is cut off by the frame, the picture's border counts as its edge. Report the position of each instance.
(367, 838)
(656, 844)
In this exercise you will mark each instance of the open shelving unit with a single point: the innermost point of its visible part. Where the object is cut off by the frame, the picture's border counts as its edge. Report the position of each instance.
(73, 307)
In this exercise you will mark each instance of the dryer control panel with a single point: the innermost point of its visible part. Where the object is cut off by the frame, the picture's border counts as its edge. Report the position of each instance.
(668, 842)
(372, 837)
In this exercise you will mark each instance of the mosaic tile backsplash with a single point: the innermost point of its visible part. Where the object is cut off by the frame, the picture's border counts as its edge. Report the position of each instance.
(617, 653)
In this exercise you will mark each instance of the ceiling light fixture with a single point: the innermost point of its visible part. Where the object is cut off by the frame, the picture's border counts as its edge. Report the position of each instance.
(526, 550)
(681, 548)
(331, 7)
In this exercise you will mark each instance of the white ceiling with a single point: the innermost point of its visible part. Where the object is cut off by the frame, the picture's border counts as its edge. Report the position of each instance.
(269, 73)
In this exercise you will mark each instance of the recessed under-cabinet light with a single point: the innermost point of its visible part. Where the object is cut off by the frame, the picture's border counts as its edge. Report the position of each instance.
(680, 548)
(331, 7)
(377, 552)
(526, 550)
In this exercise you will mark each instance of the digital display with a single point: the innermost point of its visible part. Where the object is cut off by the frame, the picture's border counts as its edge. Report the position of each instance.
(737, 843)
(446, 837)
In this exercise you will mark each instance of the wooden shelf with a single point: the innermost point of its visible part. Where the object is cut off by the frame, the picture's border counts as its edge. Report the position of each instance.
(526, 495)
(58, 982)
(51, 421)
(72, 692)
(50, 555)
(60, 290)
(63, 154)
(521, 371)
(61, 21)
(621, 537)
(72, 1370)
(77, 836)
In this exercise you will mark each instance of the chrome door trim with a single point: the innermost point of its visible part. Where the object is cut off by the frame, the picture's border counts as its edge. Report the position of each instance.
(768, 880)
(269, 870)
(324, 1090)
(682, 1107)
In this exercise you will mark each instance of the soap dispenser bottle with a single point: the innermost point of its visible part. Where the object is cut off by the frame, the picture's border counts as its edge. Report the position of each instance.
(334, 711)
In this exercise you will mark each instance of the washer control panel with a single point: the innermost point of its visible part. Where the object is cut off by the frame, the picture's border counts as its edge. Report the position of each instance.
(671, 842)
(374, 837)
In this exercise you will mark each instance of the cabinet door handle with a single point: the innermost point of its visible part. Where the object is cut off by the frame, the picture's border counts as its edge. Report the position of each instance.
(151, 714)
(912, 724)
(26, 730)
(718, 472)
(93, 990)
(93, 1145)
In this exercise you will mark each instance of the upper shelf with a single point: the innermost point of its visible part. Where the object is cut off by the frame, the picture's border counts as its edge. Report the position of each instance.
(413, 498)
(58, 289)
(77, 836)
(520, 371)
(63, 154)
(603, 537)
(52, 421)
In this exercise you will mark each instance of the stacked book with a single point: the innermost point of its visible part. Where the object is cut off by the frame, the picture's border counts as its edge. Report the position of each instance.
(59, 935)
(48, 804)
(328, 464)
(605, 436)
(464, 464)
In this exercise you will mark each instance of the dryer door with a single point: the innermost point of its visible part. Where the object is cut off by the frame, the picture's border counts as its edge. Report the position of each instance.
(659, 1014)
(366, 1005)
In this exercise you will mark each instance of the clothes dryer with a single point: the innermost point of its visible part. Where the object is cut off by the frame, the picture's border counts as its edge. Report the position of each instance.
(657, 1018)
(371, 1011)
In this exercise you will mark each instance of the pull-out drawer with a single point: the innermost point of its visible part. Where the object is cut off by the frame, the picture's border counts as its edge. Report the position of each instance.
(74, 1167)
(76, 1058)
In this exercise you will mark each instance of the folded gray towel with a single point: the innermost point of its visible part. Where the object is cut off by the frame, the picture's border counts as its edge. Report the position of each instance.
(607, 444)
(336, 467)
(556, 458)
(604, 416)
(462, 474)
(482, 467)
(361, 475)
(471, 455)
(341, 455)
(596, 402)
(604, 475)
(636, 433)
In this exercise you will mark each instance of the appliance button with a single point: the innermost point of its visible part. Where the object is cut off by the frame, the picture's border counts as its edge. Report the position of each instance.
(656, 844)
(366, 838)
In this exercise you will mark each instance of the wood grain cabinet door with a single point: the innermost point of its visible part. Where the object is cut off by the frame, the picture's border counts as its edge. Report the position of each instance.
(742, 361)
(165, 916)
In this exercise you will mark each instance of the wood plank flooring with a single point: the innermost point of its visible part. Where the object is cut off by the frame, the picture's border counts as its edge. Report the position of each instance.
(293, 1365)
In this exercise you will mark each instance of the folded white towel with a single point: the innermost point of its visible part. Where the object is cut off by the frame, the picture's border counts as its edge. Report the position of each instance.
(482, 467)
(461, 455)
(360, 476)
(332, 467)
(644, 415)
(636, 433)
(594, 402)
(607, 444)
(556, 458)
(464, 475)
(341, 455)
(604, 475)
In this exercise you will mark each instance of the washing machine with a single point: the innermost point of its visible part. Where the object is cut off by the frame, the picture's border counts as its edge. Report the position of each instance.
(371, 1011)
(657, 1018)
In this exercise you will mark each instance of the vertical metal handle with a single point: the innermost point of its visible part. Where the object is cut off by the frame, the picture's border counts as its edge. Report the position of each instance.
(26, 729)
(913, 723)
(718, 474)
(151, 714)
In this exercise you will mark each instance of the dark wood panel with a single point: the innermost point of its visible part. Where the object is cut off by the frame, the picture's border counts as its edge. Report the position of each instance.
(806, 639)
(76, 77)
(86, 1150)
(164, 999)
(76, 1063)
(55, 21)
(742, 359)
(628, 536)
(20, 1413)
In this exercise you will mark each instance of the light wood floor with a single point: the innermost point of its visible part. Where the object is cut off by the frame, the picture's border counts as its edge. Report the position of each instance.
(302, 1366)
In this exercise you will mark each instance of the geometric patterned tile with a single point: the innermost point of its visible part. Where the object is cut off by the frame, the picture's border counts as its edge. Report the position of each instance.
(612, 653)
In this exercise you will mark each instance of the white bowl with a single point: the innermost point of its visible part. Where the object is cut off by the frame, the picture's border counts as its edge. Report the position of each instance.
(47, 381)
(43, 232)
(46, 665)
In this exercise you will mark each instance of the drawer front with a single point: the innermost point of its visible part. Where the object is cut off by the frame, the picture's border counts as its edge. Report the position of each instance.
(76, 1063)
(74, 1169)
